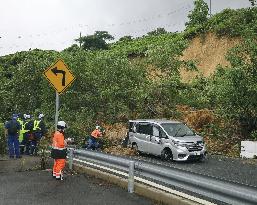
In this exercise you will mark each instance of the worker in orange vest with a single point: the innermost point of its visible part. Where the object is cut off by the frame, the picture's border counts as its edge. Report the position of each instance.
(92, 142)
(59, 150)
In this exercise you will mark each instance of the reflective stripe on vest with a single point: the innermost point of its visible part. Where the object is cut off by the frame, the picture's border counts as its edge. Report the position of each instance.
(23, 127)
(22, 130)
(36, 125)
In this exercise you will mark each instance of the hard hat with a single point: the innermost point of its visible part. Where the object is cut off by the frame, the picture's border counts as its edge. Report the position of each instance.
(97, 127)
(28, 116)
(14, 116)
(41, 116)
(61, 124)
(24, 116)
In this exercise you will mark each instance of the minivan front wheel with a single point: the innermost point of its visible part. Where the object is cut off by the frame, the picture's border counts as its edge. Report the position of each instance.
(203, 158)
(166, 155)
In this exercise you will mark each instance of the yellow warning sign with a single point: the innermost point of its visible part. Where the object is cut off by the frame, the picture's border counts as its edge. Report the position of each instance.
(59, 76)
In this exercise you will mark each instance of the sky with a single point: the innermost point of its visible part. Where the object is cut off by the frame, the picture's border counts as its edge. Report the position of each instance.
(54, 24)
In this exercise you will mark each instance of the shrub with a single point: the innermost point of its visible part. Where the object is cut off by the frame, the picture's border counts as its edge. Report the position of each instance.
(3, 142)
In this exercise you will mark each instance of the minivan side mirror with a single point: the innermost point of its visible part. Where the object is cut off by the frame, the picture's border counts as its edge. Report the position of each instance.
(163, 135)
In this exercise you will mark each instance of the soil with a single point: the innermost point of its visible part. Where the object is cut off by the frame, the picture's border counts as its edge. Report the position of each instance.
(209, 52)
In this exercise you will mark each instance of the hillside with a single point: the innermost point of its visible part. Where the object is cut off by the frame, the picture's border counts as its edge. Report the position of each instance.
(113, 84)
(208, 52)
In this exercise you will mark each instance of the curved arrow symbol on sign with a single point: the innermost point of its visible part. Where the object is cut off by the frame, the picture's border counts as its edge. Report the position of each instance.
(56, 71)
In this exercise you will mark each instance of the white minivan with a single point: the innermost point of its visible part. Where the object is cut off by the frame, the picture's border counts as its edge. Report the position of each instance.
(172, 140)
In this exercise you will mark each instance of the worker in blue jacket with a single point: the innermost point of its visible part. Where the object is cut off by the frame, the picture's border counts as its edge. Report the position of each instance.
(12, 129)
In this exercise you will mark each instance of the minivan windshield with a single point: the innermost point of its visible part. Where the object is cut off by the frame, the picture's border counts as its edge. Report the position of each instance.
(177, 129)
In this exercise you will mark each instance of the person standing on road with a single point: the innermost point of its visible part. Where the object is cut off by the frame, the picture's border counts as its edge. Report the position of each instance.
(12, 129)
(20, 120)
(39, 130)
(28, 135)
(59, 150)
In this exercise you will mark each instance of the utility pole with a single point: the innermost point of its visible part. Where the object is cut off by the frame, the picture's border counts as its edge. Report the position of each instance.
(210, 8)
(80, 40)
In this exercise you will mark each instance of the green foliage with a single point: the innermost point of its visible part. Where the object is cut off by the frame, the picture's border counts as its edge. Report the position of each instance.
(157, 32)
(165, 56)
(196, 93)
(3, 141)
(113, 85)
(24, 92)
(235, 89)
(162, 98)
(72, 48)
(229, 22)
(253, 135)
(109, 86)
(242, 22)
(126, 38)
(199, 16)
(97, 41)
(140, 46)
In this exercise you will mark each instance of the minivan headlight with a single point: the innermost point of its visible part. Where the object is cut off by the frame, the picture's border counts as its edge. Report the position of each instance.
(201, 143)
(179, 144)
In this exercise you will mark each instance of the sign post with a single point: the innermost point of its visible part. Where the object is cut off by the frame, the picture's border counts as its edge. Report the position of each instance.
(60, 77)
(57, 104)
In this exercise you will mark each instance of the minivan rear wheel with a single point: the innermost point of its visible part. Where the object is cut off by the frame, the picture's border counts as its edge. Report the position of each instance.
(166, 155)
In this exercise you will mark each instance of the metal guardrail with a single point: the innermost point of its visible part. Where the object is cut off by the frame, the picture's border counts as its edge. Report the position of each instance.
(210, 187)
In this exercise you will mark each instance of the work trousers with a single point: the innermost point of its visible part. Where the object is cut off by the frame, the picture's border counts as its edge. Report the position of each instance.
(59, 165)
(92, 143)
(13, 145)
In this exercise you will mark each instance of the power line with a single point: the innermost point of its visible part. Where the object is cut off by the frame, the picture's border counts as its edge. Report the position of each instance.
(80, 27)
(131, 22)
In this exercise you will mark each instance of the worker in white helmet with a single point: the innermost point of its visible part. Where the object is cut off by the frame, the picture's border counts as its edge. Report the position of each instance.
(28, 135)
(59, 150)
(39, 130)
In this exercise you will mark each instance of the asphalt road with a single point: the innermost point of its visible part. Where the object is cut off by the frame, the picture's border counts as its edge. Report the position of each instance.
(237, 170)
(18, 186)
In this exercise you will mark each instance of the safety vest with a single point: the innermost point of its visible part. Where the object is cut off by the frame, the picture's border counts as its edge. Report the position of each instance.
(96, 133)
(36, 125)
(20, 121)
(22, 131)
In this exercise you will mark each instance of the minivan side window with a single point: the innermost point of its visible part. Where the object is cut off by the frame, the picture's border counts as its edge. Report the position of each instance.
(156, 131)
(162, 134)
(145, 129)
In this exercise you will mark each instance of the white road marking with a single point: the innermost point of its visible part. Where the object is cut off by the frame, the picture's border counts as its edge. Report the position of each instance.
(153, 184)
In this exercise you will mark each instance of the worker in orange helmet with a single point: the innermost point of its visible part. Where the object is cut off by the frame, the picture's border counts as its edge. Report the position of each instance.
(59, 150)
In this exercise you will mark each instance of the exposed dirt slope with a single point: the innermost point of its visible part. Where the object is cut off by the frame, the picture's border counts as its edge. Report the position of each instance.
(208, 52)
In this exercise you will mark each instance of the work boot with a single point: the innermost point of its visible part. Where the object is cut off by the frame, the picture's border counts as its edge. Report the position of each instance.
(53, 175)
(59, 177)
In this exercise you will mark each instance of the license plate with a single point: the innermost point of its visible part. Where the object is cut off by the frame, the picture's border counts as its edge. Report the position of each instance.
(197, 153)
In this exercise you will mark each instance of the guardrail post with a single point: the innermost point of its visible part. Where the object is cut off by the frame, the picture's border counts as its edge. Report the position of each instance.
(71, 158)
(131, 177)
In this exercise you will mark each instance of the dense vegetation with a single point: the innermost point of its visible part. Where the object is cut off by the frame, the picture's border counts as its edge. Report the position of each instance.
(140, 78)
